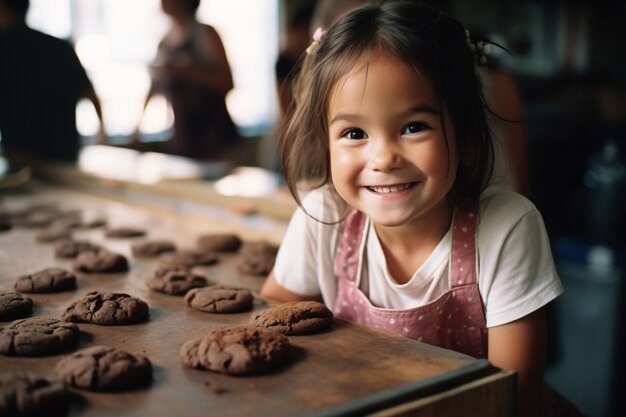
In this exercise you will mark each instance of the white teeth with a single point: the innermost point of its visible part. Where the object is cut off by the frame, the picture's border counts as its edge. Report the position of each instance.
(390, 189)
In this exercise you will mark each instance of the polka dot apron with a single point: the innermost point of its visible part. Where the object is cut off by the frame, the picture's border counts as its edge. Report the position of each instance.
(455, 320)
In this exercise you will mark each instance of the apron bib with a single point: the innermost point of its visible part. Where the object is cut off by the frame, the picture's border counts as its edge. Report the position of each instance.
(455, 320)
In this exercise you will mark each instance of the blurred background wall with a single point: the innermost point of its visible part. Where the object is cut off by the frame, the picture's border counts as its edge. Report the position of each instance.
(568, 58)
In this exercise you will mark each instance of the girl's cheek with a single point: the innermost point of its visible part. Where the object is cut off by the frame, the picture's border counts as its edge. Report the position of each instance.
(341, 163)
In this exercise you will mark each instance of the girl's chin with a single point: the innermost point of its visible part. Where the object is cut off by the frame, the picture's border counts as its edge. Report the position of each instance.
(387, 218)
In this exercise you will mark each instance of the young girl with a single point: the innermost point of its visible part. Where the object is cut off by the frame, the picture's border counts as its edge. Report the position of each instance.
(403, 233)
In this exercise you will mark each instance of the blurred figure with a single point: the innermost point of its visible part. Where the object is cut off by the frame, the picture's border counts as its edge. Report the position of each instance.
(192, 71)
(297, 39)
(41, 82)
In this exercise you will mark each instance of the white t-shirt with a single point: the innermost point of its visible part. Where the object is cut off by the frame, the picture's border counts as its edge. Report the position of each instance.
(516, 272)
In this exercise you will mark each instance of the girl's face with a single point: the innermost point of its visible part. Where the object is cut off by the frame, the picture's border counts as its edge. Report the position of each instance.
(388, 154)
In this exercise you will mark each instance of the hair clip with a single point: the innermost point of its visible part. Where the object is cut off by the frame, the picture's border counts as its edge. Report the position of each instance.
(480, 49)
(318, 35)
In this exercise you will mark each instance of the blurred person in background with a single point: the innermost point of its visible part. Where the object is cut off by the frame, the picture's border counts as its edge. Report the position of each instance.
(191, 70)
(297, 39)
(41, 82)
(300, 27)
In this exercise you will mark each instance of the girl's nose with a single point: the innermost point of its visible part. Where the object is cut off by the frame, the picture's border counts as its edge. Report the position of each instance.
(385, 155)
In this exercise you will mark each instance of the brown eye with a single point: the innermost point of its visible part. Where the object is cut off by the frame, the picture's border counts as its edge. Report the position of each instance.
(414, 127)
(354, 134)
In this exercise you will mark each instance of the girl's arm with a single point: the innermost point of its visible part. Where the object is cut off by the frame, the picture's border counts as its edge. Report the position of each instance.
(272, 290)
(521, 346)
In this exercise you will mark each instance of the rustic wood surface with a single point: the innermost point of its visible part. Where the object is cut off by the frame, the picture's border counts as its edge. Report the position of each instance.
(345, 364)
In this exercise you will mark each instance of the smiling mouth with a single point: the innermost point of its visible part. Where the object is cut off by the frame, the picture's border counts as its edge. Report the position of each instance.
(391, 188)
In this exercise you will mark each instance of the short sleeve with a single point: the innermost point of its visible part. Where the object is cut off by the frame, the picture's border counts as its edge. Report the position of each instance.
(517, 272)
(305, 261)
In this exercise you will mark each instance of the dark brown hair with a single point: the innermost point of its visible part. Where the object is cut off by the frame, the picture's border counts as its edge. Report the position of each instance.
(434, 45)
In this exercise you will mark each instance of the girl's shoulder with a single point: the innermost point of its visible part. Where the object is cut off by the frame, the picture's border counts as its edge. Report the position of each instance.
(324, 204)
(324, 196)
(500, 204)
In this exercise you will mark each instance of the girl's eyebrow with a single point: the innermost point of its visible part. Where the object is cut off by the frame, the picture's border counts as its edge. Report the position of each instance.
(425, 108)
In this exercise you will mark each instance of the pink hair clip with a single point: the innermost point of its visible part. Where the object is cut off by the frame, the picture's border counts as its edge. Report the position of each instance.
(318, 35)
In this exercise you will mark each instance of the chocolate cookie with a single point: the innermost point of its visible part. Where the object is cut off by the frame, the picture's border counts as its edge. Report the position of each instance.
(14, 305)
(220, 299)
(34, 220)
(219, 242)
(37, 336)
(257, 258)
(100, 261)
(53, 234)
(189, 258)
(69, 248)
(123, 232)
(46, 280)
(104, 368)
(236, 350)
(79, 223)
(153, 248)
(25, 394)
(92, 223)
(108, 309)
(67, 222)
(175, 280)
(295, 318)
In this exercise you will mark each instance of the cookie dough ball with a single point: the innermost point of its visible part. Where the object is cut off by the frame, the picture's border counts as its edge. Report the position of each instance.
(100, 261)
(108, 309)
(53, 235)
(46, 281)
(295, 318)
(257, 257)
(220, 299)
(70, 248)
(124, 232)
(26, 394)
(175, 280)
(152, 248)
(189, 258)
(37, 336)
(104, 368)
(219, 242)
(236, 351)
(14, 305)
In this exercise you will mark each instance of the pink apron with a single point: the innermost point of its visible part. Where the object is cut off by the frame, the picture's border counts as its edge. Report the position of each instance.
(455, 320)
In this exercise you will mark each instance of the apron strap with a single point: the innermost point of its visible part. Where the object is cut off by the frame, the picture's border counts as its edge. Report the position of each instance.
(463, 260)
(347, 260)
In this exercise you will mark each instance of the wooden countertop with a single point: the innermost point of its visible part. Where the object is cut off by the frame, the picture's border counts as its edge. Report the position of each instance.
(273, 203)
(348, 370)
